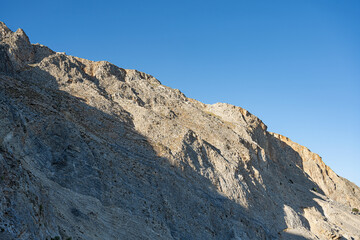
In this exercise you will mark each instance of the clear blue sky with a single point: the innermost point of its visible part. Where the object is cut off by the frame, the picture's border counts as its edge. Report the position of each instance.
(294, 64)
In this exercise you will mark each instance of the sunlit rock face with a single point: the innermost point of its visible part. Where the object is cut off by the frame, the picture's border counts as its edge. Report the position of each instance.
(89, 150)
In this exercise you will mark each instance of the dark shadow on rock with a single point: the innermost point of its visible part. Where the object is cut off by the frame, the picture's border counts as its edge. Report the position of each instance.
(286, 184)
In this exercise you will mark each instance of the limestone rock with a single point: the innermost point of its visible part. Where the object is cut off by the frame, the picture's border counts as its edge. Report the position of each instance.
(89, 150)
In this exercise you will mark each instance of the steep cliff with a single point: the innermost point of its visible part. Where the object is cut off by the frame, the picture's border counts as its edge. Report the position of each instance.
(89, 150)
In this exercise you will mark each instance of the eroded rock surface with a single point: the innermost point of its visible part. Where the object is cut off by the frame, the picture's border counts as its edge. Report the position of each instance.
(89, 150)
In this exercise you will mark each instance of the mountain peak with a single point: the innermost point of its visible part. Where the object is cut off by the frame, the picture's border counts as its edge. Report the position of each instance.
(4, 30)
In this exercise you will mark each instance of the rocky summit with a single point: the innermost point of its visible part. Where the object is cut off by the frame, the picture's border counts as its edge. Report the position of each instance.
(89, 150)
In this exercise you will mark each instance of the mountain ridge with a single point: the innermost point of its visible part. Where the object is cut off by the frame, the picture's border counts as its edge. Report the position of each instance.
(116, 146)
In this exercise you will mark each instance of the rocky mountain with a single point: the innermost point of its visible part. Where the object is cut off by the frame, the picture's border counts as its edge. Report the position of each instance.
(89, 150)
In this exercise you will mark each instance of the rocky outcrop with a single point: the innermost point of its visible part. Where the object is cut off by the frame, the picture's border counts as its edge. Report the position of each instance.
(89, 150)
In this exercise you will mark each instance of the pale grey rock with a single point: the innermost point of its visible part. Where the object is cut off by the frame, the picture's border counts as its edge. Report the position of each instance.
(92, 151)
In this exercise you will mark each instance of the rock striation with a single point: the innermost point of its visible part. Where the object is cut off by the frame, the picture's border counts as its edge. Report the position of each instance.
(89, 150)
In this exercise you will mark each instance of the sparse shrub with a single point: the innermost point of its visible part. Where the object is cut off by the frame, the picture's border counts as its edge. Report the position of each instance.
(355, 210)
(314, 189)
